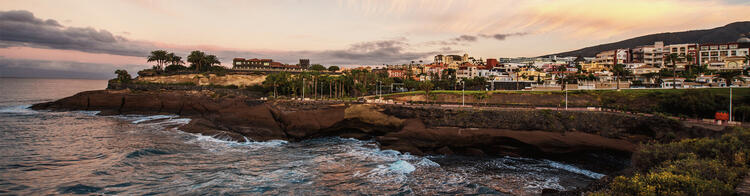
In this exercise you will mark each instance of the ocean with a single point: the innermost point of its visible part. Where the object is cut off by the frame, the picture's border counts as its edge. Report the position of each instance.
(80, 152)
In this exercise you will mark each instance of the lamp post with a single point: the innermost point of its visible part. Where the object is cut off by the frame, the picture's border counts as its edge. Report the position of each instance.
(730, 103)
(463, 88)
(303, 89)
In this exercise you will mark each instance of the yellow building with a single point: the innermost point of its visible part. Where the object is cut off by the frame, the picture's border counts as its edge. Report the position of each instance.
(531, 75)
(593, 67)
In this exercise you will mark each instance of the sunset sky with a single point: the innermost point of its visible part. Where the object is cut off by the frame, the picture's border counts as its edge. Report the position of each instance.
(92, 38)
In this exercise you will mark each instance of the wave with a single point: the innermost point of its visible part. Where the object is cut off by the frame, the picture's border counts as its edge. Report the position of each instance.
(574, 169)
(17, 109)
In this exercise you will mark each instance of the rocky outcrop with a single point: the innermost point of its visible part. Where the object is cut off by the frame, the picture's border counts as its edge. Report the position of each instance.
(206, 79)
(417, 130)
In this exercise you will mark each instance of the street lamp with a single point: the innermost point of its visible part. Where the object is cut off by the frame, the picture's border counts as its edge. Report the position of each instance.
(303, 89)
(463, 88)
(730, 103)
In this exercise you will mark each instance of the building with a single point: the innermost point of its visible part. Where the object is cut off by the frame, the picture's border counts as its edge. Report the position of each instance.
(241, 63)
(683, 51)
(728, 56)
(492, 63)
(650, 55)
(593, 67)
(304, 63)
(612, 57)
(452, 61)
(254, 63)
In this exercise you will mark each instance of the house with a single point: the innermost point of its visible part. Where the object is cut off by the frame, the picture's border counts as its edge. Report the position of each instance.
(669, 82)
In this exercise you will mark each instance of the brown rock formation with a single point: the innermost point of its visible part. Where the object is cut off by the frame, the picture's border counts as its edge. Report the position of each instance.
(410, 129)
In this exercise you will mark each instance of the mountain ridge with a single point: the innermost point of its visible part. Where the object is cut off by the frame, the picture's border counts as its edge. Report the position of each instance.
(727, 33)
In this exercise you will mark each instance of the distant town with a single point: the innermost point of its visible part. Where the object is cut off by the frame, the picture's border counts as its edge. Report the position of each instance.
(686, 65)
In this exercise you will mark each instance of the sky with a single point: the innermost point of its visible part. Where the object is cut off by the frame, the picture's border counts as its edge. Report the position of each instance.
(90, 39)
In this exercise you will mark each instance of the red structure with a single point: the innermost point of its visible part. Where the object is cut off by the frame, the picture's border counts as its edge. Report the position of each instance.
(492, 63)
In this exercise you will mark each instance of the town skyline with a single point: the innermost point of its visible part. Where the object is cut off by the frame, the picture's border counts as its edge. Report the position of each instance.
(40, 38)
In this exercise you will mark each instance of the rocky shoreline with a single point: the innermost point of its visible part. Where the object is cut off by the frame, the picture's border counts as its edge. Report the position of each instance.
(415, 129)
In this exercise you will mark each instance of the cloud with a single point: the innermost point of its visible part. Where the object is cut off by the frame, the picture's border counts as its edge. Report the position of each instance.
(465, 38)
(22, 28)
(61, 69)
(501, 36)
(365, 53)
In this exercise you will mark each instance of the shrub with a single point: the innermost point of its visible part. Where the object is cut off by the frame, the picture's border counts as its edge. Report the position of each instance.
(705, 166)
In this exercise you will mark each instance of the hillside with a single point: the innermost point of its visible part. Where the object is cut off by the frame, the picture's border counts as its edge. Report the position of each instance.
(727, 33)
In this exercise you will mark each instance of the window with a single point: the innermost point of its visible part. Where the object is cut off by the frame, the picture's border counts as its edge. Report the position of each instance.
(724, 53)
(714, 53)
(682, 49)
(723, 47)
(704, 47)
(674, 49)
(704, 53)
(734, 53)
(714, 47)
(733, 46)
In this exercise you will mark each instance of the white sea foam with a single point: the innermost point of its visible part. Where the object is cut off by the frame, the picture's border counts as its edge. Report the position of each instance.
(424, 162)
(88, 112)
(18, 109)
(402, 167)
(574, 169)
(153, 117)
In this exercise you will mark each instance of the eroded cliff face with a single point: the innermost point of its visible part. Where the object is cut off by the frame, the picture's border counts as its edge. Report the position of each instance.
(210, 79)
(418, 130)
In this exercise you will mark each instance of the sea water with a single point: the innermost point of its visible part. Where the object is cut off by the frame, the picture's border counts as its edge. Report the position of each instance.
(79, 152)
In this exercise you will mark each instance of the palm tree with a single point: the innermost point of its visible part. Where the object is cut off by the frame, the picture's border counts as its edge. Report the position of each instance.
(158, 56)
(174, 59)
(747, 59)
(673, 58)
(689, 59)
(212, 60)
(201, 61)
(619, 71)
(730, 76)
(196, 59)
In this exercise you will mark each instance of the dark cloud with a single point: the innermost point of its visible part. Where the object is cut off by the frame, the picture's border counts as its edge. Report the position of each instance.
(22, 28)
(365, 53)
(61, 69)
(501, 36)
(465, 38)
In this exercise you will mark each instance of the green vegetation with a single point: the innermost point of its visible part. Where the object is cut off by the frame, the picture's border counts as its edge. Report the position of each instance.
(317, 67)
(333, 68)
(200, 62)
(122, 77)
(704, 166)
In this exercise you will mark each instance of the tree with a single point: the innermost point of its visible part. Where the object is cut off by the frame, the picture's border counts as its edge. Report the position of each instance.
(747, 59)
(202, 62)
(620, 71)
(333, 68)
(730, 76)
(426, 86)
(174, 68)
(158, 56)
(122, 76)
(673, 58)
(317, 67)
(689, 58)
(174, 59)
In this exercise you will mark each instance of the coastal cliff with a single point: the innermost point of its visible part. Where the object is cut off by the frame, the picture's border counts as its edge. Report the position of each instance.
(414, 129)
